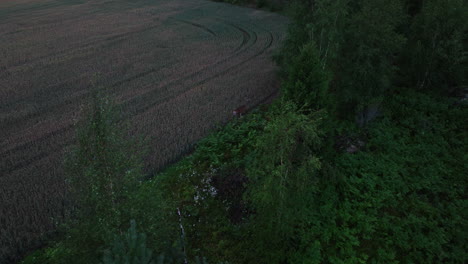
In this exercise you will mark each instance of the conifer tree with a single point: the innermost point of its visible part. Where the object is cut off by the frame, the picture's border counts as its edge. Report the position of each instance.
(102, 171)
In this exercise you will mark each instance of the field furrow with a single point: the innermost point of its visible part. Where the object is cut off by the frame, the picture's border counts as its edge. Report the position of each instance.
(177, 69)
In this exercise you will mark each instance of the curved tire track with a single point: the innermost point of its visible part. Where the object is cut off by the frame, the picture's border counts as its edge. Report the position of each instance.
(231, 45)
(120, 37)
(146, 101)
(143, 99)
(242, 48)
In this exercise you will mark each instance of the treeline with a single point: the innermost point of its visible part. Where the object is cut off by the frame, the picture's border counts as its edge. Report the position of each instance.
(369, 47)
(361, 160)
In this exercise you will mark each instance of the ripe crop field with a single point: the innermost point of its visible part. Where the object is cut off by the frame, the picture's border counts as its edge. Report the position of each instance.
(177, 69)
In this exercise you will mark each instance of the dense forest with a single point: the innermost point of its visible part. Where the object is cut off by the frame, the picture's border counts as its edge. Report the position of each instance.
(361, 159)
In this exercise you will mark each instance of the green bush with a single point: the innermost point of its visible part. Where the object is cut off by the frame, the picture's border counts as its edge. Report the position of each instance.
(402, 199)
(207, 186)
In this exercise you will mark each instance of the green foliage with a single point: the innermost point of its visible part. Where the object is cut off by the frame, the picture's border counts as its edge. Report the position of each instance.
(103, 170)
(282, 176)
(210, 183)
(402, 198)
(207, 187)
(435, 57)
(296, 38)
(321, 22)
(273, 187)
(155, 215)
(50, 255)
(356, 41)
(365, 69)
(231, 144)
(104, 167)
(311, 24)
(307, 81)
(398, 200)
(129, 249)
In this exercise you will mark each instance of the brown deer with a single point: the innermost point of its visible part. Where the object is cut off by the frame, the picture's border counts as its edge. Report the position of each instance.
(240, 111)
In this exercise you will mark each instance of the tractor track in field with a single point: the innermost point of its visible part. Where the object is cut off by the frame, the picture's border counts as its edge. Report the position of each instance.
(92, 44)
(175, 68)
(198, 26)
(49, 108)
(201, 82)
(246, 37)
(141, 100)
(144, 98)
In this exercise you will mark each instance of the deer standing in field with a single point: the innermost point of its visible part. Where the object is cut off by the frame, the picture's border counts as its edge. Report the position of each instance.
(241, 110)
